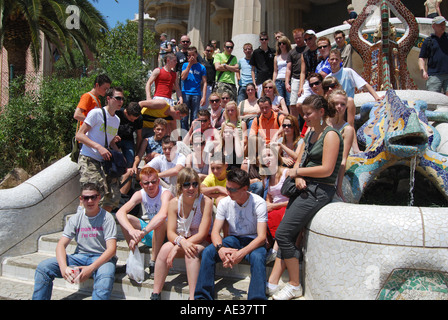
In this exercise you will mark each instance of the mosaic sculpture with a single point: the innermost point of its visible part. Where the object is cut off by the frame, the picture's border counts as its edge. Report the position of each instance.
(396, 132)
(385, 64)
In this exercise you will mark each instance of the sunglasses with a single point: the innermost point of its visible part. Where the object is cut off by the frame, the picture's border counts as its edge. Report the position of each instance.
(333, 85)
(269, 87)
(119, 98)
(185, 41)
(149, 182)
(187, 185)
(264, 39)
(225, 98)
(282, 43)
(214, 101)
(315, 83)
(285, 125)
(308, 39)
(322, 47)
(233, 190)
(229, 47)
(87, 198)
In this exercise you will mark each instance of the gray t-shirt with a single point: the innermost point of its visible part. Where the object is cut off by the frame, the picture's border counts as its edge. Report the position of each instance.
(91, 234)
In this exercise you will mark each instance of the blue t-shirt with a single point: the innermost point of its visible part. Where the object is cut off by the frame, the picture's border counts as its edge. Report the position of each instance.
(324, 66)
(246, 72)
(192, 85)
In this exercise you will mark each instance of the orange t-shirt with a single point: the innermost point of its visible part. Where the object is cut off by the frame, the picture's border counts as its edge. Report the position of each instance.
(88, 102)
(268, 126)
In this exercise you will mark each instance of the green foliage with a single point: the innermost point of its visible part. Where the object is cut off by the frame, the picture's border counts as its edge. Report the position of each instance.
(36, 128)
(117, 57)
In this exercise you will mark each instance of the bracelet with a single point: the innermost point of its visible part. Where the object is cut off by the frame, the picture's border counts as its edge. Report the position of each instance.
(178, 240)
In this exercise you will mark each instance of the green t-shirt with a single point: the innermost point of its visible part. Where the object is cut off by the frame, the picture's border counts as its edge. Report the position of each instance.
(228, 76)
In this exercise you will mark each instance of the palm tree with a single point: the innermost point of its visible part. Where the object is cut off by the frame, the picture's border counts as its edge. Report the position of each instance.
(23, 21)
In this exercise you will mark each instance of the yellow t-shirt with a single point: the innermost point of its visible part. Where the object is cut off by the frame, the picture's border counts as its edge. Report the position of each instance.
(149, 115)
(212, 181)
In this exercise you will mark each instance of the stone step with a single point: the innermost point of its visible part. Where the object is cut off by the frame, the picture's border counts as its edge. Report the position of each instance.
(21, 270)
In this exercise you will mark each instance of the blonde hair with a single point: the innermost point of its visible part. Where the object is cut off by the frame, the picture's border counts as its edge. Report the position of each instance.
(233, 103)
(186, 175)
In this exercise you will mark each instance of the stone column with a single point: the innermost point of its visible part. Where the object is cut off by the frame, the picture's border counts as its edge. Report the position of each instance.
(246, 25)
(199, 24)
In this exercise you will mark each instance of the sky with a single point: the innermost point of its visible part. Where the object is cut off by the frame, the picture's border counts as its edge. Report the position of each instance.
(115, 12)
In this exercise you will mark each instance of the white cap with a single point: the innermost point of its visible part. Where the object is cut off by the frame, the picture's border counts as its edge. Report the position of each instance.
(310, 32)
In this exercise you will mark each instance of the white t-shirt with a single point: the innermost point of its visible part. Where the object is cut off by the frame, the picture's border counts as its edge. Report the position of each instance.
(243, 219)
(95, 119)
(349, 80)
(161, 164)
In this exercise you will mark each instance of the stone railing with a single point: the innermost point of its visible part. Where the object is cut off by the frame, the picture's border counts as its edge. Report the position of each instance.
(37, 207)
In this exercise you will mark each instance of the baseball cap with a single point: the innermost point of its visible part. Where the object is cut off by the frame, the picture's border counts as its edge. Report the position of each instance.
(164, 34)
(311, 32)
(438, 20)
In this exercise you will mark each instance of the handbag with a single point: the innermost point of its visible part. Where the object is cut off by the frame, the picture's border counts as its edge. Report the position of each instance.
(116, 166)
(289, 188)
(76, 147)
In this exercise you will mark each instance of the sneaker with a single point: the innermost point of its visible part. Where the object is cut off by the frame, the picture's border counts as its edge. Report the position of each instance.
(270, 292)
(288, 293)
(155, 296)
(151, 269)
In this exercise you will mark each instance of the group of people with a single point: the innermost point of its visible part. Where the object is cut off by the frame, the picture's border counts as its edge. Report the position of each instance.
(239, 178)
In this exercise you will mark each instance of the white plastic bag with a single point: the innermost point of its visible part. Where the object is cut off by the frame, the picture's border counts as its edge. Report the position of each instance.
(135, 267)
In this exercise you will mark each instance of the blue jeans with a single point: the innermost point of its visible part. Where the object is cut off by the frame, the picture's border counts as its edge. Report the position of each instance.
(242, 95)
(127, 147)
(281, 88)
(193, 103)
(205, 287)
(48, 270)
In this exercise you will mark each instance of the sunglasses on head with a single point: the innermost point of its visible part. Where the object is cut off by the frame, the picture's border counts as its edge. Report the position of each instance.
(187, 185)
(87, 198)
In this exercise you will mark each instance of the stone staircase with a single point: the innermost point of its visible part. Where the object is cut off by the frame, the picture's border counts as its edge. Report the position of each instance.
(17, 277)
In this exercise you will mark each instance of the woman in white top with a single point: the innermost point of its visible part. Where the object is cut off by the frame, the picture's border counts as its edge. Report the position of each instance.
(249, 108)
(188, 228)
(432, 8)
(280, 63)
(278, 102)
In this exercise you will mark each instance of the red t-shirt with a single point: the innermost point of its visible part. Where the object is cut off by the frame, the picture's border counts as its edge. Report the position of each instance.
(164, 83)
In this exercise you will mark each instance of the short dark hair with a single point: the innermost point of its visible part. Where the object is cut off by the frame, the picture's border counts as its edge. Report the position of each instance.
(134, 109)
(168, 140)
(91, 186)
(238, 176)
(204, 113)
(318, 102)
(102, 79)
(111, 91)
(264, 99)
(339, 32)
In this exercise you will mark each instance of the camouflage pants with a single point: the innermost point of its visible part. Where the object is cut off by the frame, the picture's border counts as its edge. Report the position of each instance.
(227, 87)
(92, 170)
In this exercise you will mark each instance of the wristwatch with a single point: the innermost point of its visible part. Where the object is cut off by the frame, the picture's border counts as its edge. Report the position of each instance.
(144, 230)
(218, 246)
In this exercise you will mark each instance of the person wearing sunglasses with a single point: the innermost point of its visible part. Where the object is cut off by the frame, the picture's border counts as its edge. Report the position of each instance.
(262, 62)
(94, 153)
(226, 66)
(95, 233)
(151, 229)
(324, 47)
(289, 141)
(188, 227)
(246, 216)
(280, 66)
